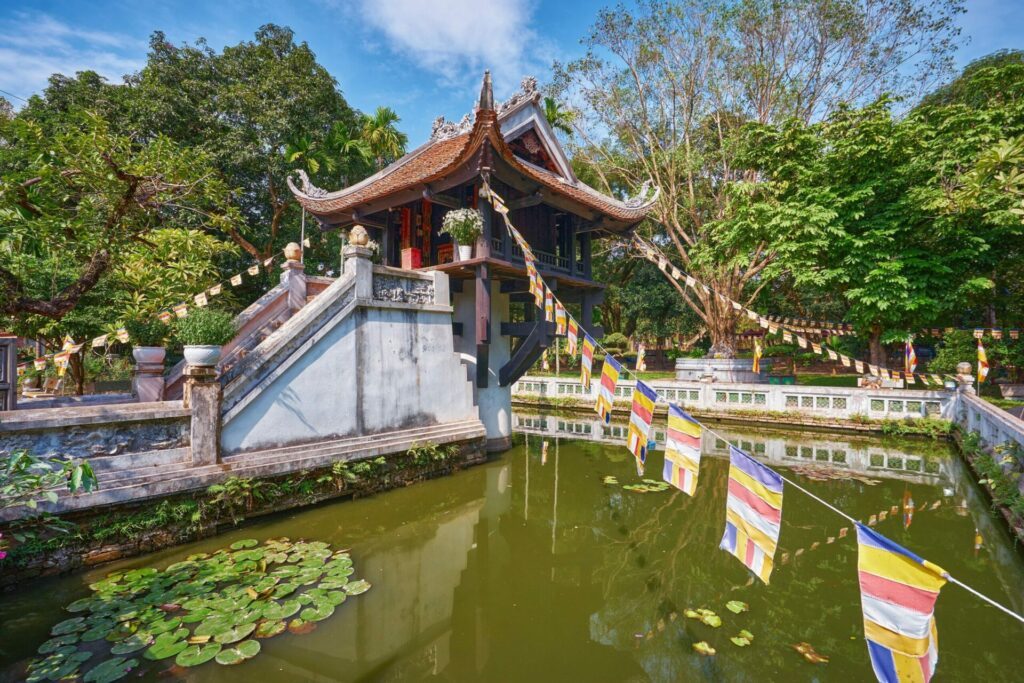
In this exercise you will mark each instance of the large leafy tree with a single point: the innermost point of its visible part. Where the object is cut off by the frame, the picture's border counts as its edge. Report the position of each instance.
(669, 87)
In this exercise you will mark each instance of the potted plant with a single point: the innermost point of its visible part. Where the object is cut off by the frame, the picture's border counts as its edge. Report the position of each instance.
(465, 226)
(149, 339)
(203, 333)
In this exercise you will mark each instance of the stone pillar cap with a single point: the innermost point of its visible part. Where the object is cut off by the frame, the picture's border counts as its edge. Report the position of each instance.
(293, 252)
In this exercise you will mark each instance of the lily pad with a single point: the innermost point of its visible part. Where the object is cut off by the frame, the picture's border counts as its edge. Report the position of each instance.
(165, 649)
(239, 653)
(53, 644)
(318, 612)
(809, 653)
(57, 666)
(218, 623)
(67, 626)
(333, 583)
(274, 611)
(357, 587)
(98, 631)
(285, 589)
(194, 655)
(740, 641)
(746, 634)
(164, 625)
(235, 634)
(110, 670)
(735, 606)
(298, 626)
(703, 648)
(269, 629)
(82, 605)
(244, 543)
(132, 643)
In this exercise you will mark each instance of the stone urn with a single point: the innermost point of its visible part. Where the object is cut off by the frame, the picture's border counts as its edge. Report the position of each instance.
(202, 355)
(149, 354)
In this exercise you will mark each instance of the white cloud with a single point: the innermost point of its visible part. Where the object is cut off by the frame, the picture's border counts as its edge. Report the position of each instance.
(458, 39)
(33, 47)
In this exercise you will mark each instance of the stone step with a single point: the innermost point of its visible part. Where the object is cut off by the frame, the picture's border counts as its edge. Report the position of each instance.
(150, 482)
(299, 449)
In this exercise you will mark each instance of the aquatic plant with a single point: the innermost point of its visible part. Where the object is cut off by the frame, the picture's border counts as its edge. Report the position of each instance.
(209, 607)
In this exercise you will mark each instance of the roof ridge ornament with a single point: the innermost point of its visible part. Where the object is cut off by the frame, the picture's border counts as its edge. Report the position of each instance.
(486, 93)
(527, 91)
(443, 129)
(306, 186)
(640, 198)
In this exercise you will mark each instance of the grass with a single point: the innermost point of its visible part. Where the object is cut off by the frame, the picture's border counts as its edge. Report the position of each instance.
(826, 380)
(1004, 403)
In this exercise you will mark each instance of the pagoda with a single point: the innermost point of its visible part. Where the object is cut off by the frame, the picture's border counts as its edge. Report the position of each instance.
(511, 148)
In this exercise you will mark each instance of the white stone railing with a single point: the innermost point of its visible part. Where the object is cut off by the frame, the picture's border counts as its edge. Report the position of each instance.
(994, 425)
(827, 402)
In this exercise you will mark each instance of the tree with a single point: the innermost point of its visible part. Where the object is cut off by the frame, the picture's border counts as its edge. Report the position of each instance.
(670, 87)
(242, 106)
(72, 203)
(558, 116)
(379, 131)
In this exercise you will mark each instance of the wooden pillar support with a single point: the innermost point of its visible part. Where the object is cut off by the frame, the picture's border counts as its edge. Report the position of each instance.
(483, 322)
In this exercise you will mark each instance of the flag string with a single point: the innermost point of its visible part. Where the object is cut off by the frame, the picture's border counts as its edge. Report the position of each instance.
(500, 207)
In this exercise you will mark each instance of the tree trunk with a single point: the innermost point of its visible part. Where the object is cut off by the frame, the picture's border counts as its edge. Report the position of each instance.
(876, 353)
(76, 370)
(721, 329)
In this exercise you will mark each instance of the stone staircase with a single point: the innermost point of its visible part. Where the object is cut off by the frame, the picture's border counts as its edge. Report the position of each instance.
(135, 477)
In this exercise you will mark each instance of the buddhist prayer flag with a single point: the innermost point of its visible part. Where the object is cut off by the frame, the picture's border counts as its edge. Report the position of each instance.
(937, 379)
(40, 363)
(802, 341)
(587, 361)
(573, 336)
(122, 335)
(753, 513)
(682, 450)
(216, 289)
(165, 317)
(676, 273)
(549, 306)
(267, 262)
(757, 357)
(898, 591)
(859, 366)
(236, 280)
(641, 357)
(982, 363)
(181, 310)
(910, 357)
(68, 343)
(786, 336)
(845, 360)
(99, 341)
(640, 417)
(200, 299)
(816, 348)
(690, 282)
(559, 318)
(832, 355)
(606, 391)
(254, 269)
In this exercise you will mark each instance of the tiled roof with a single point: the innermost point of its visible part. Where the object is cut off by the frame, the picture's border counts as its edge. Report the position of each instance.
(437, 159)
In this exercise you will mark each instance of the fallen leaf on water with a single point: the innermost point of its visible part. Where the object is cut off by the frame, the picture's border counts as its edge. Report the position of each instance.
(808, 652)
(691, 614)
(739, 641)
(746, 634)
(712, 620)
(735, 606)
(703, 648)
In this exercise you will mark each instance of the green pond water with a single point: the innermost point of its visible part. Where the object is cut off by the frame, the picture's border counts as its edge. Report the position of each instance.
(530, 568)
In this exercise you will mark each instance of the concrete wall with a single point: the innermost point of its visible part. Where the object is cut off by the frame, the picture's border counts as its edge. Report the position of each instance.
(994, 425)
(372, 353)
(828, 402)
(494, 401)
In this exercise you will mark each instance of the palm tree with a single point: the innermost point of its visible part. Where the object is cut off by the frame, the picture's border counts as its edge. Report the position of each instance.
(353, 153)
(559, 118)
(386, 142)
(301, 150)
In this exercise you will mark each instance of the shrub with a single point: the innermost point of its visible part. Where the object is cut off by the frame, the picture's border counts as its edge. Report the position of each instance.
(464, 225)
(205, 327)
(147, 332)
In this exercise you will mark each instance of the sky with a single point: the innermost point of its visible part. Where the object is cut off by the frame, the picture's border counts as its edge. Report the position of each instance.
(423, 58)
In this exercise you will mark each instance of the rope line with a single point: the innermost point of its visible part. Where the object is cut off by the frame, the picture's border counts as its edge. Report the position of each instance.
(513, 233)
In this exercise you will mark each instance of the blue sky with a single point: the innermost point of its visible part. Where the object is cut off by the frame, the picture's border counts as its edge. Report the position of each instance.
(421, 57)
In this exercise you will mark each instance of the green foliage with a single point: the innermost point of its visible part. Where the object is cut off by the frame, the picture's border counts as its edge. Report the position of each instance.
(430, 452)
(27, 480)
(615, 342)
(381, 134)
(930, 427)
(205, 327)
(77, 201)
(237, 495)
(147, 331)
(1000, 471)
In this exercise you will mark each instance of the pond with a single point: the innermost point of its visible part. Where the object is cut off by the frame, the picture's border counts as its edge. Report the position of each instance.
(532, 567)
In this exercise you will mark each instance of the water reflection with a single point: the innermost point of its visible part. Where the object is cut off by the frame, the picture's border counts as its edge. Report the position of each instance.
(531, 568)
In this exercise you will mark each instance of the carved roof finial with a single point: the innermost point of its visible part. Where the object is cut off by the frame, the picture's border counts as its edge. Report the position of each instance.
(486, 93)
